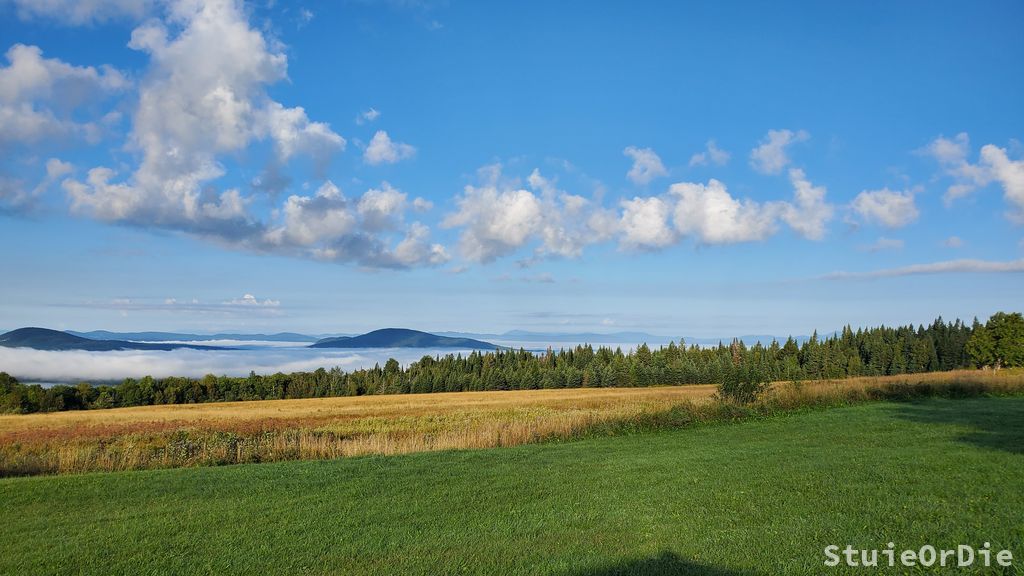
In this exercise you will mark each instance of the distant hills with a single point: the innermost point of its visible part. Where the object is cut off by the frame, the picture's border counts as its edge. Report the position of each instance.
(185, 337)
(571, 337)
(46, 339)
(514, 335)
(517, 336)
(402, 338)
(616, 338)
(101, 340)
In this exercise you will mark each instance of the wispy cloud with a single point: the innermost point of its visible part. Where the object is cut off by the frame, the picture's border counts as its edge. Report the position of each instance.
(712, 154)
(247, 306)
(966, 266)
(953, 242)
(770, 156)
(368, 116)
(79, 12)
(646, 165)
(541, 278)
(994, 165)
(883, 243)
(249, 301)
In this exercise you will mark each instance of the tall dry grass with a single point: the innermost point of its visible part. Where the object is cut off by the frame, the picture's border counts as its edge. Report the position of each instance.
(230, 433)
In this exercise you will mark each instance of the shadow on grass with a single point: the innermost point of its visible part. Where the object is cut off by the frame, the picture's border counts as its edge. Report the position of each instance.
(994, 423)
(664, 563)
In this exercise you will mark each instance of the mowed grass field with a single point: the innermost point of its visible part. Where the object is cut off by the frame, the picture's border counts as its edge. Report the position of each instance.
(759, 497)
(169, 436)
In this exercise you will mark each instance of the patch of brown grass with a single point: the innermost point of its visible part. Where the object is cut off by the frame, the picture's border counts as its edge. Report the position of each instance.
(274, 430)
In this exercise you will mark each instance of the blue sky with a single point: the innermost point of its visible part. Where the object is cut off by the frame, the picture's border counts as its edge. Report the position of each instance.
(703, 169)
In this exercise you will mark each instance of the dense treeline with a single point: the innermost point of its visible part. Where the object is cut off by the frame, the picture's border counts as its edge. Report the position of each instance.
(865, 352)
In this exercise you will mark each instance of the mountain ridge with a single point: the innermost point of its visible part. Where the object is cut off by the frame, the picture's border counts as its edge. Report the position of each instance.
(57, 340)
(158, 336)
(101, 340)
(402, 338)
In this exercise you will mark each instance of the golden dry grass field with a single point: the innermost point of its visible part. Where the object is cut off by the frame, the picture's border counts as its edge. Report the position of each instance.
(278, 413)
(318, 428)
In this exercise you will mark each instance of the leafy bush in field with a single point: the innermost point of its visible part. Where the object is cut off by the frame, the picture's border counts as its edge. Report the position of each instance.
(743, 383)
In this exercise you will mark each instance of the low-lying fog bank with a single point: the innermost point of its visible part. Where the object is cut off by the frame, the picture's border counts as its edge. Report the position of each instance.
(76, 365)
(48, 367)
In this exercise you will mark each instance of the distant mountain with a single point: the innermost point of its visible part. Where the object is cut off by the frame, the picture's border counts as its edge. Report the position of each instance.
(402, 338)
(184, 337)
(46, 339)
(570, 337)
(608, 337)
(43, 339)
(618, 338)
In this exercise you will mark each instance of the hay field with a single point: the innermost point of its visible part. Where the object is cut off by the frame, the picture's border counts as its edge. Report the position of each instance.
(281, 413)
(314, 428)
(322, 428)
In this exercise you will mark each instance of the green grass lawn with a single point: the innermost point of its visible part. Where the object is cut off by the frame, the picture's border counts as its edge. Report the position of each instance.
(762, 497)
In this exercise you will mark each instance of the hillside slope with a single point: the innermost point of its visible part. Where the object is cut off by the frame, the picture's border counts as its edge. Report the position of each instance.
(402, 338)
(46, 339)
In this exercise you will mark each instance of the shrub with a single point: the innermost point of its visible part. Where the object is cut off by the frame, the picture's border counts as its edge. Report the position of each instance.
(743, 383)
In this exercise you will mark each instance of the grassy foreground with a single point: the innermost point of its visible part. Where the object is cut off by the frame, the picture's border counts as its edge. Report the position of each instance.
(170, 436)
(760, 497)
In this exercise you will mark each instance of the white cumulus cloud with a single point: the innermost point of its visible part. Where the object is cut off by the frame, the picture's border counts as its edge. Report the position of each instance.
(890, 208)
(205, 97)
(417, 250)
(712, 154)
(1010, 175)
(711, 215)
(310, 220)
(383, 150)
(770, 156)
(381, 207)
(39, 95)
(994, 165)
(498, 218)
(328, 226)
(644, 224)
(809, 212)
(646, 165)
(495, 222)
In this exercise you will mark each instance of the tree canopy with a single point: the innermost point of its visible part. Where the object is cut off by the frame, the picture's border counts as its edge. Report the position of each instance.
(999, 343)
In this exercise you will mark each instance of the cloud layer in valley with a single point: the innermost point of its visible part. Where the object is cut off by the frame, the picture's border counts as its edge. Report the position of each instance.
(75, 365)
